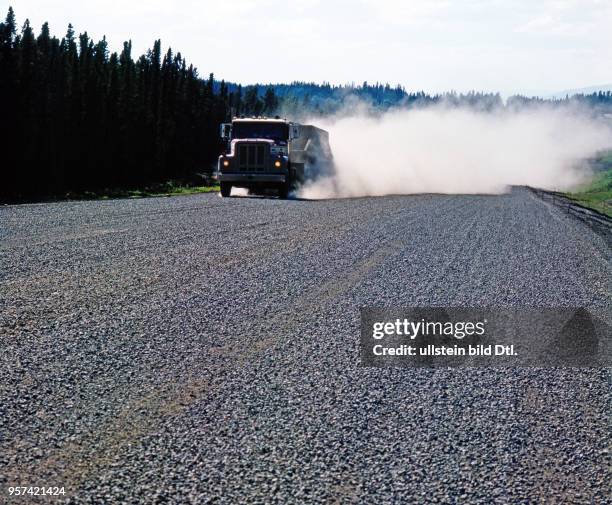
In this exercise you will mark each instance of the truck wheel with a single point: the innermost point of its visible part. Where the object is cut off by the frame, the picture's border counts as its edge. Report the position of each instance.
(226, 189)
(283, 191)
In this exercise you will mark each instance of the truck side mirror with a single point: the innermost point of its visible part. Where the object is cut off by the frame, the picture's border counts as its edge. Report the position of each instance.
(295, 132)
(226, 131)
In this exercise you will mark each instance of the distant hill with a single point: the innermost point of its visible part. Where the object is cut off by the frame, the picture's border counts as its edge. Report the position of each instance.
(581, 91)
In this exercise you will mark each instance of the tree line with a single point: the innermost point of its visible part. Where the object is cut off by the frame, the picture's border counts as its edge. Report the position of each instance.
(77, 118)
(304, 98)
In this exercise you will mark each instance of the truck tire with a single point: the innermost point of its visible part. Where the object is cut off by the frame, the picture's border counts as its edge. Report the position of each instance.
(226, 189)
(283, 191)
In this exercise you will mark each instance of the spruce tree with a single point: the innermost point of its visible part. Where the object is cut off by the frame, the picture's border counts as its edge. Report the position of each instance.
(270, 101)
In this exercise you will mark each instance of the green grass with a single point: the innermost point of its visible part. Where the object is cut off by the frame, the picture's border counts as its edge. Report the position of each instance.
(606, 158)
(167, 189)
(173, 191)
(598, 194)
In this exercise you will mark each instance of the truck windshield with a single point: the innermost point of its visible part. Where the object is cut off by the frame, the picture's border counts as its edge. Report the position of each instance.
(260, 130)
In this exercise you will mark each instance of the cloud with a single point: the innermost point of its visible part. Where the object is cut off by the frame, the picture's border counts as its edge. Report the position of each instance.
(568, 18)
(433, 45)
(416, 12)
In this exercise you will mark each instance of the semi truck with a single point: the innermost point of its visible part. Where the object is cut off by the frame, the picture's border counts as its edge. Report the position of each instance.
(267, 155)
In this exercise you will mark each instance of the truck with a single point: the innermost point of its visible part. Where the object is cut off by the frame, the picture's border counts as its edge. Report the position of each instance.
(275, 155)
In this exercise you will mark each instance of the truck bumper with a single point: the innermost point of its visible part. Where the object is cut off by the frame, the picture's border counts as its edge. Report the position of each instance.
(251, 178)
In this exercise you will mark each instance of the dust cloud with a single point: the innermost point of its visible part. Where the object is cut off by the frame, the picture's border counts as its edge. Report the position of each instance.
(445, 150)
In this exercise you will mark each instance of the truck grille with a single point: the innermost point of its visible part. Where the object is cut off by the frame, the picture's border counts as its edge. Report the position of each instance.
(252, 157)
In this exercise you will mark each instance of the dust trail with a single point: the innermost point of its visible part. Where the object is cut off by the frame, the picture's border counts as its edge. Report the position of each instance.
(445, 150)
(237, 192)
(240, 192)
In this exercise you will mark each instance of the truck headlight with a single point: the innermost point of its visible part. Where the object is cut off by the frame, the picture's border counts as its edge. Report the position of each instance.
(277, 164)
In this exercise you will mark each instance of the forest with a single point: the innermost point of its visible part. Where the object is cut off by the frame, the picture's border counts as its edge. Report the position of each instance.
(78, 118)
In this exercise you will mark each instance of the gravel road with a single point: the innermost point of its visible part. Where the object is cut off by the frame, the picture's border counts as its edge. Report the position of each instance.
(199, 349)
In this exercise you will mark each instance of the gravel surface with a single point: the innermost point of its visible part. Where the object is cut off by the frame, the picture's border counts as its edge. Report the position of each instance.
(199, 349)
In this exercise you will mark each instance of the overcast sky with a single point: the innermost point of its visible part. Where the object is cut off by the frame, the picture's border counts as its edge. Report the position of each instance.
(533, 46)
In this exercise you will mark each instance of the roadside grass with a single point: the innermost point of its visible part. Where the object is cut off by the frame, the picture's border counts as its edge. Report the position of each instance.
(169, 188)
(606, 158)
(598, 194)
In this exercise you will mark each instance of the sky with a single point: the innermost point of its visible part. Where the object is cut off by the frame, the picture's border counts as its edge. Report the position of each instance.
(526, 46)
